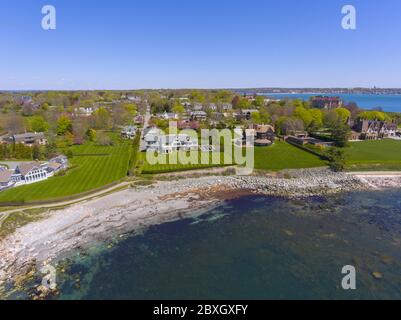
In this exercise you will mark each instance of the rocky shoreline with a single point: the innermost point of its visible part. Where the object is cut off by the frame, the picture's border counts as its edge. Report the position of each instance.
(134, 210)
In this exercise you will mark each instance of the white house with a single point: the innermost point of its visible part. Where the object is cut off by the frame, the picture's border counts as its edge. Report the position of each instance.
(169, 116)
(5, 178)
(226, 106)
(84, 112)
(151, 137)
(129, 132)
(199, 115)
(197, 107)
(175, 142)
(29, 172)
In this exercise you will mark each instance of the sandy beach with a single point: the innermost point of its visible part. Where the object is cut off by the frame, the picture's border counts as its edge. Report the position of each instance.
(133, 210)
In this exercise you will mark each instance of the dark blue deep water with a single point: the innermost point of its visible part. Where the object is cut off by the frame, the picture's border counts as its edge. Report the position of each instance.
(254, 248)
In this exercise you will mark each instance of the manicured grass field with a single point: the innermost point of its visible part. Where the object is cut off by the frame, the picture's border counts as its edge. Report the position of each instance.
(374, 155)
(277, 157)
(285, 156)
(91, 167)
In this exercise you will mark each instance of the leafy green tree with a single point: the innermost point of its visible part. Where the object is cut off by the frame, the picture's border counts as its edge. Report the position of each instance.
(102, 119)
(374, 115)
(38, 124)
(131, 108)
(179, 109)
(256, 118)
(304, 115)
(259, 101)
(337, 159)
(91, 135)
(343, 114)
(36, 152)
(197, 96)
(317, 120)
(244, 103)
(265, 115)
(64, 125)
(341, 133)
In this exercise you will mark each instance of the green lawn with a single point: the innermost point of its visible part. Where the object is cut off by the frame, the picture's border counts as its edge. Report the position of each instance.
(285, 156)
(91, 167)
(277, 157)
(374, 155)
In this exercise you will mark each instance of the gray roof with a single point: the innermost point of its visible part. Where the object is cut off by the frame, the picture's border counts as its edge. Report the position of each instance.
(53, 166)
(25, 168)
(23, 136)
(5, 175)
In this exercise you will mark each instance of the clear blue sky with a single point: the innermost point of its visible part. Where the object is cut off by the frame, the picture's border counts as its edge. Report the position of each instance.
(128, 44)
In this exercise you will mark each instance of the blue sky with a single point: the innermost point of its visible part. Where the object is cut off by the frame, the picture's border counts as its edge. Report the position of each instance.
(130, 44)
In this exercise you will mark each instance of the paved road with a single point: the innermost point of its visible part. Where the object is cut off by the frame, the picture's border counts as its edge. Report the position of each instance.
(64, 203)
(375, 173)
(145, 125)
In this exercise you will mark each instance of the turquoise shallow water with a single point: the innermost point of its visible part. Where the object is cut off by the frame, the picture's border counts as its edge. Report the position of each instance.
(389, 103)
(254, 248)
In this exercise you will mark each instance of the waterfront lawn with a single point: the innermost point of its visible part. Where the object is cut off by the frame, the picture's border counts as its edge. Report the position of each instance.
(91, 167)
(274, 158)
(282, 156)
(374, 155)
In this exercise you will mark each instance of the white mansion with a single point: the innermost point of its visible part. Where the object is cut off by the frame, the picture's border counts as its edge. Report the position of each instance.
(31, 172)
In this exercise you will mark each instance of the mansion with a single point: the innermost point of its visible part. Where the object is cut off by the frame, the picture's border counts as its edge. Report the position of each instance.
(31, 172)
(373, 130)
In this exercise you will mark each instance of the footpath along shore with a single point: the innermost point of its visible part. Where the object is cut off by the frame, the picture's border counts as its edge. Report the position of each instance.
(100, 219)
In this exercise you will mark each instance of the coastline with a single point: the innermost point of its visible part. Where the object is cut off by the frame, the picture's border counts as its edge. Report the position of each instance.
(79, 226)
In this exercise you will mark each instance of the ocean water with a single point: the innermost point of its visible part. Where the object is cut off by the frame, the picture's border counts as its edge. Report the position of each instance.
(389, 103)
(253, 247)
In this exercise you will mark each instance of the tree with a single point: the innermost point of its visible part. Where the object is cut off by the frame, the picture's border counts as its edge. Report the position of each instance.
(373, 115)
(317, 120)
(179, 109)
(343, 114)
(304, 115)
(14, 124)
(197, 96)
(236, 100)
(36, 152)
(101, 119)
(131, 108)
(91, 134)
(337, 159)
(64, 125)
(103, 139)
(259, 101)
(341, 133)
(287, 126)
(244, 103)
(38, 124)
(256, 118)
(265, 115)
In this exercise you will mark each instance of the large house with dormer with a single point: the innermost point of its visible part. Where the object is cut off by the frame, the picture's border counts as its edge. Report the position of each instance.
(29, 138)
(373, 130)
(31, 172)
